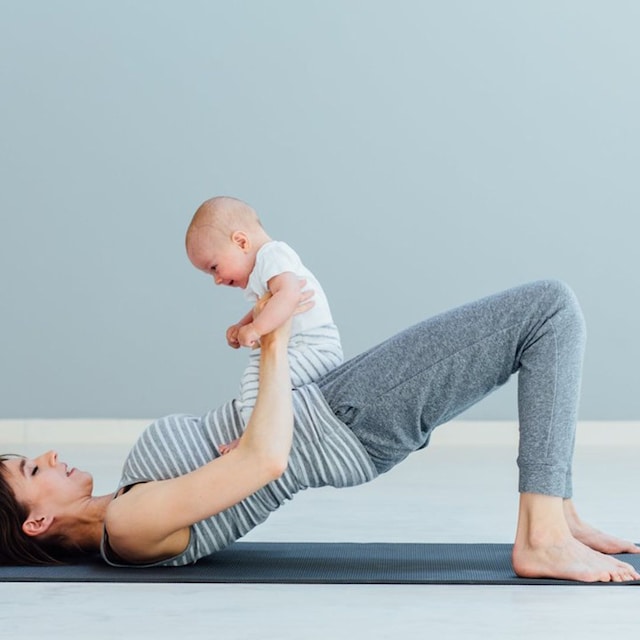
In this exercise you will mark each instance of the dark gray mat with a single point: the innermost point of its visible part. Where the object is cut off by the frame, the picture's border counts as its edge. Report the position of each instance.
(318, 563)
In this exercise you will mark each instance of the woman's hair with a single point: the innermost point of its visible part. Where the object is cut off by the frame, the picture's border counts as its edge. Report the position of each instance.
(16, 547)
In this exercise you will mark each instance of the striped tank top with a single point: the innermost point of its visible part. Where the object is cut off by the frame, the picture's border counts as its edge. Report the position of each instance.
(324, 452)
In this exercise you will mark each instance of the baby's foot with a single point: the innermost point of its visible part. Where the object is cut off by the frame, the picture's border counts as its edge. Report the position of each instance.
(229, 446)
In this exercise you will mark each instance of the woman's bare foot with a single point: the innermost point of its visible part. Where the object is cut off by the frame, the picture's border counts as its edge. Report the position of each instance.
(569, 559)
(592, 537)
(545, 547)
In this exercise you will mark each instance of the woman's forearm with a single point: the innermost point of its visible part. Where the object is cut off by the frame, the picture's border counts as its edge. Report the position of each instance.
(158, 511)
(269, 432)
(161, 512)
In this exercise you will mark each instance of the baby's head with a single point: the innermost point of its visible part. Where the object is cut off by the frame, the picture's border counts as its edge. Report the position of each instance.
(223, 239)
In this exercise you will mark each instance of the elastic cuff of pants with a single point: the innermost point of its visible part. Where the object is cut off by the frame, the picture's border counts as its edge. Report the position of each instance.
(545, 479)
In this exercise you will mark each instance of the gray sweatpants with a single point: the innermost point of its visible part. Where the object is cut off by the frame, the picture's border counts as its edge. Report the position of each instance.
(395, 394)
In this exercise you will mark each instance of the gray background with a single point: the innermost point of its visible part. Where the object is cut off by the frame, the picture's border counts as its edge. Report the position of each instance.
(416, 154)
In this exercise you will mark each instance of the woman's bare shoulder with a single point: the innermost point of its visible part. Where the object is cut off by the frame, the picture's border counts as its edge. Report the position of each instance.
(133, 535)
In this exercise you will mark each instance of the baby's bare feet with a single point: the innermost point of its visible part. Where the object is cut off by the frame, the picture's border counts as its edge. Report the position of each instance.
(229, 446)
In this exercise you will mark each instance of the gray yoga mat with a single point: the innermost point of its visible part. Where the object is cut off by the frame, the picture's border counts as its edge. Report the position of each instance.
(318, 563)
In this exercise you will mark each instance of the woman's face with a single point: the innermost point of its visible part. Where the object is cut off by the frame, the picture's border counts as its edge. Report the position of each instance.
(46, 482)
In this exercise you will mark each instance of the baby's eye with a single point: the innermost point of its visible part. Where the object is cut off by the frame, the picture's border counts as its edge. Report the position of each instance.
(34, 470)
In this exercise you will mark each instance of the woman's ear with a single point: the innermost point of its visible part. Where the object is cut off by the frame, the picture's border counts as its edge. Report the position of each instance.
(241, 240)
(35, 526)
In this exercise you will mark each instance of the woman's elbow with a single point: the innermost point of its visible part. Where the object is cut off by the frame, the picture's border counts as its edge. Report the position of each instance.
(267, 462)
(268, 465)
(276, 467)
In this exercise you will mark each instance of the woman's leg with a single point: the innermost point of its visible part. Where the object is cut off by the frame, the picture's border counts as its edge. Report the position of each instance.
(394, 395)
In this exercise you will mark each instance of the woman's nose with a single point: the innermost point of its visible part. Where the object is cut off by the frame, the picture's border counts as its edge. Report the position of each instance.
(50, 458)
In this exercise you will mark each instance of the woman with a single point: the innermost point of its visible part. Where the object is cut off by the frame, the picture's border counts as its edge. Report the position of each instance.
(179, 499)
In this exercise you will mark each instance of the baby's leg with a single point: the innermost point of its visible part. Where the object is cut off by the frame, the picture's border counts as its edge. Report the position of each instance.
(306, 364)
(248, 395)
(309, 363)
(249, 386)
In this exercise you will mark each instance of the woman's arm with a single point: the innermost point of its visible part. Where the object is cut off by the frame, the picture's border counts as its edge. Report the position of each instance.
(152, 520)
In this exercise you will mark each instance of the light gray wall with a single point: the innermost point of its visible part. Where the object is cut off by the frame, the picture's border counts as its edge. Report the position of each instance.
(417, 154)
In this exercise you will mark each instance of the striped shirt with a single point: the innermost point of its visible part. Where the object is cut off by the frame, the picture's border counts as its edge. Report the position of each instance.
(324, 452)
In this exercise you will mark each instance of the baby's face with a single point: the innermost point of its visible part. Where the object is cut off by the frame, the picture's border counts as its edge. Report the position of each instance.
(221, 258)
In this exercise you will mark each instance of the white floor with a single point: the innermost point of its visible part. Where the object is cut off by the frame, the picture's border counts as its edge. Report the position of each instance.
(445, 493)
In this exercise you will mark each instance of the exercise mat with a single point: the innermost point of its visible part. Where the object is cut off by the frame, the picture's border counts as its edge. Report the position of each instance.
(318, 563)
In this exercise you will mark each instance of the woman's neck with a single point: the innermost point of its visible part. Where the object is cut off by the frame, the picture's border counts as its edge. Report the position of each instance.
(86, 530)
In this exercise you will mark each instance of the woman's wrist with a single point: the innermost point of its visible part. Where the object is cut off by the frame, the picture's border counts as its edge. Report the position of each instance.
(272, 342)
(276, 339)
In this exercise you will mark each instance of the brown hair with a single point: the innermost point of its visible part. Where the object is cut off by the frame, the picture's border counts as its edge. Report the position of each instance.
(16, 547)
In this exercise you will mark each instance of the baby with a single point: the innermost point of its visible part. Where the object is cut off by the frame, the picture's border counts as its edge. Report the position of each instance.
(227, 241)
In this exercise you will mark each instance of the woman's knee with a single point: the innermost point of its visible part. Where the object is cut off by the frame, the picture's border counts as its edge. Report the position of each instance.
(564, 304)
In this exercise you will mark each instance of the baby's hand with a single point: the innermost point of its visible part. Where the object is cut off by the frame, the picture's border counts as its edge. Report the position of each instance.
(225, 448)
(248, 336)
(232, 336)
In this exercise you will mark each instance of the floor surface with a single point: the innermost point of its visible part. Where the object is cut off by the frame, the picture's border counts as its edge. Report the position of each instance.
(442, 494)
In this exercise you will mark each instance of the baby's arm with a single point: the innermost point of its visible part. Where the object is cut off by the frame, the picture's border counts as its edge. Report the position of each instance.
(285, 293)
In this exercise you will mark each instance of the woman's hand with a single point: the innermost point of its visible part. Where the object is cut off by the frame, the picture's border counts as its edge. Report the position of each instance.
(306, 299)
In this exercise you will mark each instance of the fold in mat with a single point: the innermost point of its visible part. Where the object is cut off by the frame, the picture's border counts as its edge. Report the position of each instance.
(318, 563)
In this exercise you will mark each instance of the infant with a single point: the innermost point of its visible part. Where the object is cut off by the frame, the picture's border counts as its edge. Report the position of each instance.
(227, 241)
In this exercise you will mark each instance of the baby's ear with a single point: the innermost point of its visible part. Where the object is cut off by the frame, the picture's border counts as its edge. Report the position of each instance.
(241, 239)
